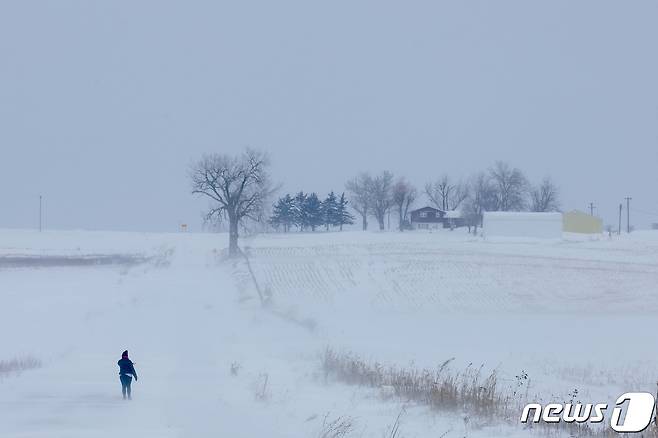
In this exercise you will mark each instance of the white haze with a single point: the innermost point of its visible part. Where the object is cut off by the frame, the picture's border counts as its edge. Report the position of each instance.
(104, 105)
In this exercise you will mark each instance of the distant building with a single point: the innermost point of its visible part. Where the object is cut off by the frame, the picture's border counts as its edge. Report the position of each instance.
(453, 219)
(580, 222)
(430, 218)
(522, 224)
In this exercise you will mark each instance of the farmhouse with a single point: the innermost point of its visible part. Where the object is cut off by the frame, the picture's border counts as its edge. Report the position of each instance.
(430, 218)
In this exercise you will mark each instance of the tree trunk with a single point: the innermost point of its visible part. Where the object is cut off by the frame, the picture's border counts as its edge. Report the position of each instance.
(233, 249)
(365, 221)
(382, 224)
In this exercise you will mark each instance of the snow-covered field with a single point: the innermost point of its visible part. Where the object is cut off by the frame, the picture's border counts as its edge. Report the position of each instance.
(573, 314)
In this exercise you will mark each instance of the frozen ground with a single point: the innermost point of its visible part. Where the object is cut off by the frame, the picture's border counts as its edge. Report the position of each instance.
(577, 313)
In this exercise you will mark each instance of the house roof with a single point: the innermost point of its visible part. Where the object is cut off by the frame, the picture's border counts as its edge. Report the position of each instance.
(426, 208)
(449, 214)
(453, 214)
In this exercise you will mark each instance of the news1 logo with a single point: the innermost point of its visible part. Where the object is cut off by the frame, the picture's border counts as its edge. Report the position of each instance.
(637, 407)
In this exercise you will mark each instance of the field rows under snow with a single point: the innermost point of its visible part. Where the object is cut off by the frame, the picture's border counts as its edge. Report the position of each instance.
(457, 274)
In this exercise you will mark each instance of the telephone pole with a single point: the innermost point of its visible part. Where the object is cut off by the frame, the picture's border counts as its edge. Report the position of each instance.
(619, 230)
(591, 209)
(628, 214)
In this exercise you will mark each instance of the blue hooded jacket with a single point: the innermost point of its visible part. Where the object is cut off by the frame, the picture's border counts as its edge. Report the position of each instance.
(126, 367)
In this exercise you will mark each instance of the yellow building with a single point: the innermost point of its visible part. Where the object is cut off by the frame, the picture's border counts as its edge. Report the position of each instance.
(578, 222)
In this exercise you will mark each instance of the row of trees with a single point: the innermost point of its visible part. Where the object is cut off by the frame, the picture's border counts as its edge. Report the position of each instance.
(500, 188)
(306, 211)
(239, 188)
(506, 188)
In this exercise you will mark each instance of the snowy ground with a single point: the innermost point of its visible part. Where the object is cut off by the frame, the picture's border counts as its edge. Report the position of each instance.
(574, 314)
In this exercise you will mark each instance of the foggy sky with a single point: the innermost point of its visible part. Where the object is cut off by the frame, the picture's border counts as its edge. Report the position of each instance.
(104, 105)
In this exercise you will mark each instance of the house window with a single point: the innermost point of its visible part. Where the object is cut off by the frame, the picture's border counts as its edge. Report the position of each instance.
(437, 215)
(423, 214)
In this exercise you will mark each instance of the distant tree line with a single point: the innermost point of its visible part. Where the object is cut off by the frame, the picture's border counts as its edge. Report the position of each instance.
(239, 188)
(306, 212)
(499, 188)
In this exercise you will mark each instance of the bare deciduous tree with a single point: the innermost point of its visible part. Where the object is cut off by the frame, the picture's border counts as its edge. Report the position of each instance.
(381, 195)
(238, 186)
(511, 187)
(439, 192)
(445, 195)
(360, 191)
(458, 195)
(482, 198)
(404, 194)
(545, 196)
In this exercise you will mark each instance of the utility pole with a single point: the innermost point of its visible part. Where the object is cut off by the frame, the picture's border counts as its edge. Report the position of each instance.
(619, 230)
(591, 209)
(628, 214)
(40, 210)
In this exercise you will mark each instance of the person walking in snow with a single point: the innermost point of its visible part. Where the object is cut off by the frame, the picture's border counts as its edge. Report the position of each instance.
(126, 374)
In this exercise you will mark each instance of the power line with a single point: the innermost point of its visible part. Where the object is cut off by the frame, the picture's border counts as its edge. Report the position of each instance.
(648, 213)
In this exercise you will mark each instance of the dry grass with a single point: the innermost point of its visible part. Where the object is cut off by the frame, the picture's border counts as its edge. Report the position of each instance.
(18, 365)
(262, 390)
(337, 428)
(467, 391)
(441, 389)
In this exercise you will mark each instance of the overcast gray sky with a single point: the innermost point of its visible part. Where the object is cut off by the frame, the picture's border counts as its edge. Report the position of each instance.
(103, 105)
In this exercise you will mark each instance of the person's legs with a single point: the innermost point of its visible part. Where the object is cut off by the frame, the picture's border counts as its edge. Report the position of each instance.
(125, 386)
(130, 379)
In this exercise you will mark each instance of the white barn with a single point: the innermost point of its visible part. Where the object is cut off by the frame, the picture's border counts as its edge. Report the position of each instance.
(522, 224)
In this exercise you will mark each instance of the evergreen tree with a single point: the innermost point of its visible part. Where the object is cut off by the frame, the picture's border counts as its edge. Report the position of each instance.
(330, 210)
(283, 213)
(343, 216)
(299, 211)
(313, 211)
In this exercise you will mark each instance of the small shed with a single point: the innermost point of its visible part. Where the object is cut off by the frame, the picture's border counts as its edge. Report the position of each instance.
(522, 224)
(576, 221)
